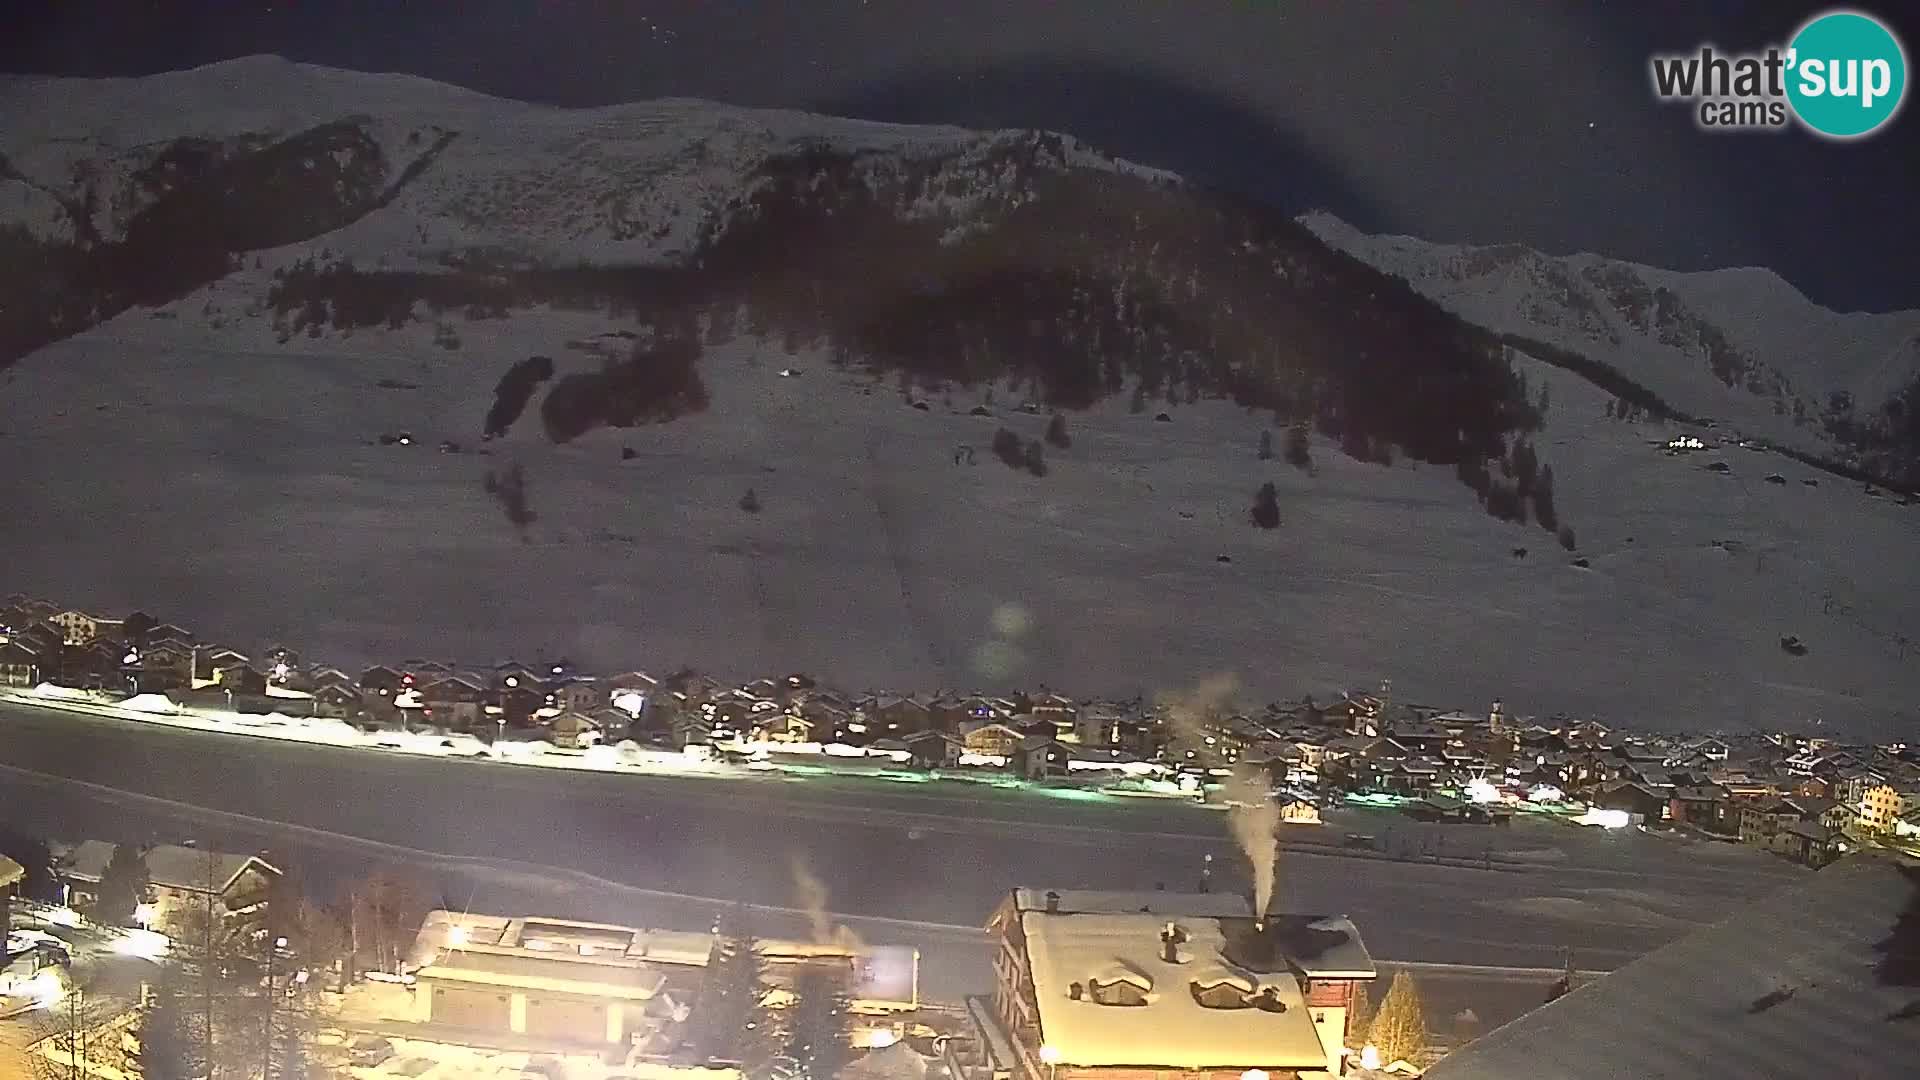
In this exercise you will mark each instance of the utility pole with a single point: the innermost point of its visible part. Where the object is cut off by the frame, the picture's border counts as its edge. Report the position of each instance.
(266, 1043)
(206, 965)
(76, 1036)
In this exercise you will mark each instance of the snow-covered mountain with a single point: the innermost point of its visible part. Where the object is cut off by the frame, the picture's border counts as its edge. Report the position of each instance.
(225, 293)
(1742, 346)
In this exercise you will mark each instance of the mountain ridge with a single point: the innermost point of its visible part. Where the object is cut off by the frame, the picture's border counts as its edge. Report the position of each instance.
(1741, 345)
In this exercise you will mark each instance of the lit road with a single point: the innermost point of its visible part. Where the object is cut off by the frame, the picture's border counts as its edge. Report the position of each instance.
(918, 864)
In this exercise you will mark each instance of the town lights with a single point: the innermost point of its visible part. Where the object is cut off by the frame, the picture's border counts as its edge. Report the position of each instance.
(1051, 1055)
(144, 914)
(1254, 1074)
(1369, 1057)
(457, 935)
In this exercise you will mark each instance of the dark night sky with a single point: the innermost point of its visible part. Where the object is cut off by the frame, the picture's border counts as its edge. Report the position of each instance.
(1485, 121)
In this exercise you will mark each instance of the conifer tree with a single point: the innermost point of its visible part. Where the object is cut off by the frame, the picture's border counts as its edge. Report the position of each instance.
(1399, 1029)
(730, 1022)
(1266, 507)
(818, 1041)
(166, 1051)
(123, 885)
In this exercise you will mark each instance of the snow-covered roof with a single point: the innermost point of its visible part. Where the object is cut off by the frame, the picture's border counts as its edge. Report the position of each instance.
(1835, 991)
(168, 865)
(1195, 905)
(898, 1061)
(603, 976)
(1172, 1030)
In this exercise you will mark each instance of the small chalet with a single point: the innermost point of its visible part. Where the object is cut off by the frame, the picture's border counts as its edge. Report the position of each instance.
(992, 740)
(573, 730)
(455, 701)
(341, 702)
(179, 876)
(381, 680)
(1041, 756)
(935, 749)
(1809, 843)
(1295, 810)
(1648, 805)
(19, 665)
(1709, 809)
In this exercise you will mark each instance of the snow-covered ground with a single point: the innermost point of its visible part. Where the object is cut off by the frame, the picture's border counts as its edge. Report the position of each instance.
(236, 485)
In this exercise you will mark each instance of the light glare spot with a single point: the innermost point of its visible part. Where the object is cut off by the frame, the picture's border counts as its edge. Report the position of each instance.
(996, 659)
(1010, 620)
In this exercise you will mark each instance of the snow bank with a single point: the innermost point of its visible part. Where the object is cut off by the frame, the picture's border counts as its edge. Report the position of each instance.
(150, 703)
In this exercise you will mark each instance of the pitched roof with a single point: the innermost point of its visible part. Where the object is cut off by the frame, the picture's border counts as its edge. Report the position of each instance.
(168, 865)
(1835, 992)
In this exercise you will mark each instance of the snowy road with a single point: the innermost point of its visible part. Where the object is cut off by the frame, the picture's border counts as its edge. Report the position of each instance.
(919, 864)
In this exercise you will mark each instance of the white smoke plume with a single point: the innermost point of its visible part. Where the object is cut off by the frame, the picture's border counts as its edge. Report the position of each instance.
(1254, 817)
(1188, 711)
(811, 893)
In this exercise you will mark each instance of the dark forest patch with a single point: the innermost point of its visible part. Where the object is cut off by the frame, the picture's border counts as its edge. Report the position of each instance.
(513, 391)
(654, 385)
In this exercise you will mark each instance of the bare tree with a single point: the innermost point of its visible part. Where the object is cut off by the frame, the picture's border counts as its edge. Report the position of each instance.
(80, 1034)
(385, 914)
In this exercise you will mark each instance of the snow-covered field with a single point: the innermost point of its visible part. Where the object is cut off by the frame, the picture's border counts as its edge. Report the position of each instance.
(236, 485)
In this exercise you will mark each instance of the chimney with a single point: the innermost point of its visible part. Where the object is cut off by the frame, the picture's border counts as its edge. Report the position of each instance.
(1053, 902)
(1171, 938)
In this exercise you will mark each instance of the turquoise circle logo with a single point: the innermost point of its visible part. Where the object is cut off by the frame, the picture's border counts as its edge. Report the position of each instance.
(1847, 74)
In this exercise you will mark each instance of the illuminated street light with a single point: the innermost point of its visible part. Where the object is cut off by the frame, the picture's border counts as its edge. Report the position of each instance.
(1051, 1055)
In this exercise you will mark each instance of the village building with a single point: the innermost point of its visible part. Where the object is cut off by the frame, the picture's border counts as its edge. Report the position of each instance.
(1882, 804)
(594, 984)
(1140, 986)
(180, 878)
